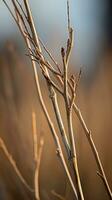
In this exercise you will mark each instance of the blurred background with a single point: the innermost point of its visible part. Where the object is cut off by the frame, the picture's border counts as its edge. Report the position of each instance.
(92, 23)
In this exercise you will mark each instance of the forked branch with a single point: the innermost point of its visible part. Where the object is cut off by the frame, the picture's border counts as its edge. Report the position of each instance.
(44, 71)
(26, 26)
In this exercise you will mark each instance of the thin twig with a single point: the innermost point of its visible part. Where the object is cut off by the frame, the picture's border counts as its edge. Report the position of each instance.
(14, 165)
(76, 109)
(22, 9)
(69, 105)
(53, 97)
(37, 155)
(59, 150)
(50, 55)
(49, 81)
(57, 195)
(93, 148)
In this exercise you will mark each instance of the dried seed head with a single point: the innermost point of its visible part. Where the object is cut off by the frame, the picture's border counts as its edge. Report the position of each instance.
(63, 52)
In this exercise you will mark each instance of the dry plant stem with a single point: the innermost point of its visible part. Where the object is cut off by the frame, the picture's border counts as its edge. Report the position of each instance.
(79, 115)
(59, 150)
(37, 155)
(94, 150)
(82, 122)
(13, 163)
(31, 24)
(51, 83)
(53, 97)
(88, 135)
(35, 141)
(49, 54)
(73, 152)
(69, 106)
(74, 156)
(37, 169)
(56, 139)
(91, 143)
(57, 195)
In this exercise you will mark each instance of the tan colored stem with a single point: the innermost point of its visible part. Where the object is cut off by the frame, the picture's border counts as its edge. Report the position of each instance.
(13, 163)
(74, 156)
(57, 195)
(92, 144)
(94, 150)
(56, 139)
(69, 107)
(76, 109)
(53, 97)
(37, 156)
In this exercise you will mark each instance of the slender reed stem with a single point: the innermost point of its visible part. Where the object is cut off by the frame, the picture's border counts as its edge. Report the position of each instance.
(50, 123)
(14, 165)
(94, 150)
(37, 156)
(33, 41)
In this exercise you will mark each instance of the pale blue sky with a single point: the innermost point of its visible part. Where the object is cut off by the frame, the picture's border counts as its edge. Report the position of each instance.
(87, 18)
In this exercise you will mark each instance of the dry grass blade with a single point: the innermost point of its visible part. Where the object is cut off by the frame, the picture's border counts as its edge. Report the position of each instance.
(37, 155)
(57, 195)
(94, 150)
(87, 132)
(31, 38)
(13, 163)
(50, 55)
(69, 105)
(35, 141)
(22, 9)
(56, 139)
(53, 97)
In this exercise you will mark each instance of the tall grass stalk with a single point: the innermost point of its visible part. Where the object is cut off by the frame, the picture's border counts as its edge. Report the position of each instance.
(67, 88)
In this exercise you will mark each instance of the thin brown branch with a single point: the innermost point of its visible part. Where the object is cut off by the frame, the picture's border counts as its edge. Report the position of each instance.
(14, 165)
(94, 149)
(11, 12)
(31, 24)
(57, 195)
(53, 97)
(19, 14)
(50, 55)
(22, 9)
(37, 155)
(68, 14)
(65, 77)
(74, 154)
(91, 143)
(69, 105)
(59, 150)
(49, 81)
(35, 141)
(76, 109)
(42, 61)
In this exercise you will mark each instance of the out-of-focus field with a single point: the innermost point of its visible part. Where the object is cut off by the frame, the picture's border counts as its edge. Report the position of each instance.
(18, 98)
